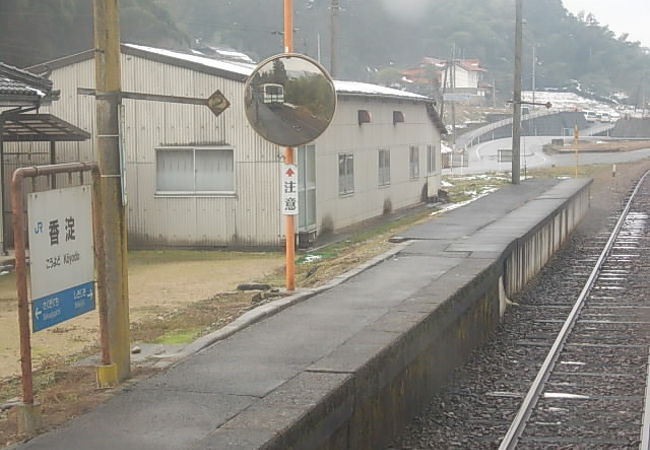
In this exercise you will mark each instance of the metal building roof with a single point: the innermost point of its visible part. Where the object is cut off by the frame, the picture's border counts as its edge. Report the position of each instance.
(240, 71)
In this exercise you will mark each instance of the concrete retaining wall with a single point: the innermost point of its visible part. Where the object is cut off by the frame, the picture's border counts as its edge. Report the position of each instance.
(526, 256)
(364, 393)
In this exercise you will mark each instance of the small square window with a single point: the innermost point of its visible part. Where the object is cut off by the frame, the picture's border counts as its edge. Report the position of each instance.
(364, 116)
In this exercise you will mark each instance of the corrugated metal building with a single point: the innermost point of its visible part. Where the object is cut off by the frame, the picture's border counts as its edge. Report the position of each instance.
(197, 180)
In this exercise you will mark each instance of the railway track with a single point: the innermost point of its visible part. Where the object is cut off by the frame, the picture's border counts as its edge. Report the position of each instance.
(594, 392)
(590, 391)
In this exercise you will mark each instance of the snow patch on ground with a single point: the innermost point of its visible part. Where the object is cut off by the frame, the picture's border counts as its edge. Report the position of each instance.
(453, 206)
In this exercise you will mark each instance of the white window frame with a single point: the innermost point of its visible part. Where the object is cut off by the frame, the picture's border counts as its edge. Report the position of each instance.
(307, 188)
(431, 159)
(414, 162)
(194, 193)
(346, 180)
(383, 167)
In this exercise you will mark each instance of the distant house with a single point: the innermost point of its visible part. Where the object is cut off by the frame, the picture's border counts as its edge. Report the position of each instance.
(197, 180)
(460, 79)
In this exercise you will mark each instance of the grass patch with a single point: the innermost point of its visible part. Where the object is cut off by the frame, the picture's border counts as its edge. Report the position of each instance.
(192, 321)
(316, 268)
(179, 337)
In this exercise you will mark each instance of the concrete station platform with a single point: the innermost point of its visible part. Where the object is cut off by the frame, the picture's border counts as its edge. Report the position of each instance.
(348, 367)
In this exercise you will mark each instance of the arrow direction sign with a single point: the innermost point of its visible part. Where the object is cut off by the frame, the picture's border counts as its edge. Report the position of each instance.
(218, 103)
(61, 306)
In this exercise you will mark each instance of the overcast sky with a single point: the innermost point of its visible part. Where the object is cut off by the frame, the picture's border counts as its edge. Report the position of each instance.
(622, 16)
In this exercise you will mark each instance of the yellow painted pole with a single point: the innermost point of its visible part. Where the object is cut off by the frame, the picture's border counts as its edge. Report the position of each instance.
(108, 86)
(290, 274)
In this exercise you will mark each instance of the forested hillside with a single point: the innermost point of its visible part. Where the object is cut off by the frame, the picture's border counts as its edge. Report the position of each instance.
(33, 31)
(375, 37)
(384, 34)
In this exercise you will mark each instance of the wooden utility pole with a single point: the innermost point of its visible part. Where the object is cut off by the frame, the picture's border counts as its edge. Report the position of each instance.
(444, 91)
(516, 101)
(334, 12)
(534, 80)
(108, 87)
(453, 93)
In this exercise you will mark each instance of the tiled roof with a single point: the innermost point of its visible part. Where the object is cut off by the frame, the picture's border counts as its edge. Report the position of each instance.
(9, 87)
(15, 82)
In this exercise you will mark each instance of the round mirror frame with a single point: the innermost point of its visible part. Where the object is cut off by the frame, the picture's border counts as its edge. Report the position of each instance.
(282, 122)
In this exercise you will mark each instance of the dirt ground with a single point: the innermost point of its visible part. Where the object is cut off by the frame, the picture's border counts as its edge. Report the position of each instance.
(175, 297)
(159, 284)
(180, 295)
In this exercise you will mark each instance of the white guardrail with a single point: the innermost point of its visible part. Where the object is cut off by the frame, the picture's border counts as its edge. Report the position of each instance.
(467, 139)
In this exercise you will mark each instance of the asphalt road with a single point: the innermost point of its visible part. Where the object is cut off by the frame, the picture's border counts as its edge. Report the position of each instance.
(484, 157)
(282, 122)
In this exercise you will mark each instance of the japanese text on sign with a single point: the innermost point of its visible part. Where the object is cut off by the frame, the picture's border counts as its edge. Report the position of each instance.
(289, 195)
(61, 254)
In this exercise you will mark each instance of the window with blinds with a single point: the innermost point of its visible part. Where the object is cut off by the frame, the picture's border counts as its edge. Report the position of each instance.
(195, 171)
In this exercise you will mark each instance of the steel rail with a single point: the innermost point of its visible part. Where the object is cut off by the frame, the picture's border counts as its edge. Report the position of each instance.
(518, 425)
(645, 424)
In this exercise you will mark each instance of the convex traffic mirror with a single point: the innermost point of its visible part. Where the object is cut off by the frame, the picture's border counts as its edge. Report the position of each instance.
(290, 100)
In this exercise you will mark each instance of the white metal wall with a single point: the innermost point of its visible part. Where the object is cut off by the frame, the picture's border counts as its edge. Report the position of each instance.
(345, 135)
(251, 216)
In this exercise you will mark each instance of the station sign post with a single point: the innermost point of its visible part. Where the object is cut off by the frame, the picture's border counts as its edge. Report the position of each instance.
(68, 269)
